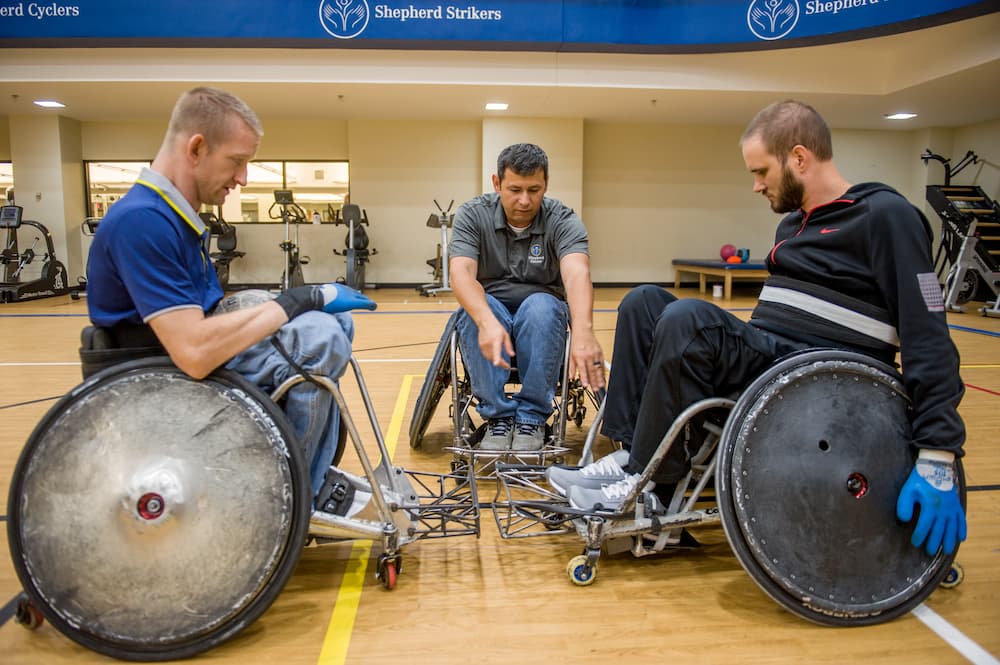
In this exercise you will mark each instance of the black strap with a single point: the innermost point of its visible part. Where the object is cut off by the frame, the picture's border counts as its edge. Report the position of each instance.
(294, 365)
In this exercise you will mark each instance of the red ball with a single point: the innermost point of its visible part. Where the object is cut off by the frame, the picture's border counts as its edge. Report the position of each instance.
(727, 251)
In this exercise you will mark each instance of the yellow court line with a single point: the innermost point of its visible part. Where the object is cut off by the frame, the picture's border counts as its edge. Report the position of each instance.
(974, 366)
(345, 608)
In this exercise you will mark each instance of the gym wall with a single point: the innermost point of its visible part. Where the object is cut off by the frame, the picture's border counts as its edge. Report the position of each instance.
(648, 192)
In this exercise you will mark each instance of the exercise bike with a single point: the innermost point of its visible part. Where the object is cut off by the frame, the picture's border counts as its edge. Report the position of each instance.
(290, 213)
(442, 220)
(52, 280)
(225, 241)
(356, 253)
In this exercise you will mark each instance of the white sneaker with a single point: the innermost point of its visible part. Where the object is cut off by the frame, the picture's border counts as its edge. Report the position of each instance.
(609, 496)
(606, 470)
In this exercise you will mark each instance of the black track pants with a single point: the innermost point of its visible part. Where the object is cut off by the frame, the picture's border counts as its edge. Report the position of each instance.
(669, 354)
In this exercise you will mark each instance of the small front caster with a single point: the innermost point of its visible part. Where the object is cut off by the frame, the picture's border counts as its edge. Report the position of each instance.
(387, 570)
(26, 614)
(954, 577)
(580, 571)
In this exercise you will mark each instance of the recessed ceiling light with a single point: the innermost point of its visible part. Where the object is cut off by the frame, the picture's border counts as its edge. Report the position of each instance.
(496, 106)
(900, 116)
(49, 104)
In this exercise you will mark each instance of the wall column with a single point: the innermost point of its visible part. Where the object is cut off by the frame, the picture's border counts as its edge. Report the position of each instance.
(47, 158)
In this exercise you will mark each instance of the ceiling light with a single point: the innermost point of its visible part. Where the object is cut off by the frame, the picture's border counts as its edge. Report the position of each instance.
(496, 106)
(49, 104)
(900, 116)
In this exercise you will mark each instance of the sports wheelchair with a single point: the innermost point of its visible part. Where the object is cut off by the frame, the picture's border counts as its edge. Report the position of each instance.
(447, 369)
(153, 516)
(806, 463)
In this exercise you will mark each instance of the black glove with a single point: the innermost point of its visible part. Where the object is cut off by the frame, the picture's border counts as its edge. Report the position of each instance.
(330, 298)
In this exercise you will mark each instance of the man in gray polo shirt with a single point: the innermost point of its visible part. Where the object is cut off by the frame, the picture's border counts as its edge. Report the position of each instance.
(519, 267)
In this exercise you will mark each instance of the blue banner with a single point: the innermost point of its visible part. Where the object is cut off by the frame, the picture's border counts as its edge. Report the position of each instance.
(543, 25)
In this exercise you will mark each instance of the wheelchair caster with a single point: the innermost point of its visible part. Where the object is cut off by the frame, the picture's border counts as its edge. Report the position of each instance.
(955, 576)
(26, 614)
(387, 571)
(580, 572)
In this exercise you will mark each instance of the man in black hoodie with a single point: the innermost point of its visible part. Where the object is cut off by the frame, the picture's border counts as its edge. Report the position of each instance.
(851, 268)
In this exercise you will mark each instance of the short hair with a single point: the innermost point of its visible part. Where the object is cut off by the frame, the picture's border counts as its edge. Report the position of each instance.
(783, 125)
(207, 111)
(523, 159)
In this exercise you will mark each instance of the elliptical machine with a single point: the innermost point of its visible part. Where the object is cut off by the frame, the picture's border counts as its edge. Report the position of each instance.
(356, 253)
(290, 213)
(51, 282)
(439, 264)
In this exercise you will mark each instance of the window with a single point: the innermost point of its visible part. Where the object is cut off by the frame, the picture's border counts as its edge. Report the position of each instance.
(6, 182)
(107, 182)
(320, 187)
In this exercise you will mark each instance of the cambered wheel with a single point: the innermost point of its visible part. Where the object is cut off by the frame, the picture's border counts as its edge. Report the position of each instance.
(190, 503)
(437, 380)
(810, 465)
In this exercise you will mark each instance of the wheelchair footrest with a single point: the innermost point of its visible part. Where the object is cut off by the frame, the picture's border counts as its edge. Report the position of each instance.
(485, 462)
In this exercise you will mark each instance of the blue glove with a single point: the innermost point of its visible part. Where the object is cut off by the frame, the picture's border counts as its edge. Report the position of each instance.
(329, 298)
(340, 298)
(942, 519)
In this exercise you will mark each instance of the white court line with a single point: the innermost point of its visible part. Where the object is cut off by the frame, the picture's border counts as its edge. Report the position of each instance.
(360, 360)
(72, 364)
(953, 636)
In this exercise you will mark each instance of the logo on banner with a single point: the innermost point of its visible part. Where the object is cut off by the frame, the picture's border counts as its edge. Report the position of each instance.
(772, 19)
(344, 19)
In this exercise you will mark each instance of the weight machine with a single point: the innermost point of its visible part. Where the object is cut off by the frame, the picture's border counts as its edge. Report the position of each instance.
(51, 282)
(970, 239)
(290, 213)
(442, 220)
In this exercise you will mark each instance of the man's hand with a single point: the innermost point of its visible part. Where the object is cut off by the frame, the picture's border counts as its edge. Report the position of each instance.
(494, 342)
(587, 358)
(932, 485)
(329, 298)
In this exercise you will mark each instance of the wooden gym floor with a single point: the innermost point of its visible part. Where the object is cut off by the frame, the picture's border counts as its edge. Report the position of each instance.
(487, 600)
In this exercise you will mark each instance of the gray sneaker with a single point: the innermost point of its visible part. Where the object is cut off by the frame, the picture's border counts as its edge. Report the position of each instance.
(609, 496)
(528, 436)
(498, 434)
(606, 470)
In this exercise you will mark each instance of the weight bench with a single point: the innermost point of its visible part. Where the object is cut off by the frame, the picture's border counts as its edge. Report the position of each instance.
(752, 270)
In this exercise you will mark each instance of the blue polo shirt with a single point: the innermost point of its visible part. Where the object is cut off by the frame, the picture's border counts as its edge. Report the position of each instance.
(149, 257)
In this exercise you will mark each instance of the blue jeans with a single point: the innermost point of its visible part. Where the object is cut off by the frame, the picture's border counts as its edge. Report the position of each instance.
(538, 331)
(320, 343)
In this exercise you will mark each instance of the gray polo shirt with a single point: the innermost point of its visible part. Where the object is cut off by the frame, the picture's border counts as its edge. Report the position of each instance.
(513, 266)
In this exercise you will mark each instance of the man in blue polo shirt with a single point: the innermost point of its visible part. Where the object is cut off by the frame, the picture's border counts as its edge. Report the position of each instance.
(519, 268)
(150, 280)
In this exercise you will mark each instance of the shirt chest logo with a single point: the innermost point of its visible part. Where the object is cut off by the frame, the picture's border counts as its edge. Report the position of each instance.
(535, 255)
